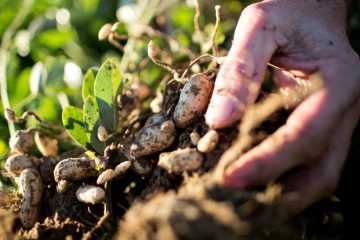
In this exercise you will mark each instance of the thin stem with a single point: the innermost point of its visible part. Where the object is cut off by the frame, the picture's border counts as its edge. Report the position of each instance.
(199, 35)
(196, 17)
(217, 23)
(4, 54)
(153, 51)
(196, 60)
(115, 43)
(166, 66)
(173, 43)
(120, 36)
(27, 114)
(148, 12)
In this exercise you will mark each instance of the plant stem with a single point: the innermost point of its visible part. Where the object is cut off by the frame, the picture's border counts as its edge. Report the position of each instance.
(217, 24)
(194, 61)
(172, 42)
(196, 17)
(4, 54)
(148, 11)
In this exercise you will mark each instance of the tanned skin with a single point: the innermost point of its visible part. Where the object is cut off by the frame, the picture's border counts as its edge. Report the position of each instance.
(300, 38)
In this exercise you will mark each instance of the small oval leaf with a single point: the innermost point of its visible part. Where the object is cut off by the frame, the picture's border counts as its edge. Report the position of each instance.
(91, 123)
(72, 118)
(107, 86)
(88, 84)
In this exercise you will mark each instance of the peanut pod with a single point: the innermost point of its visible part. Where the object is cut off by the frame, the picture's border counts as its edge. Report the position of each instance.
(90, 194)
(16, 163)
(156, 135)
(194, 138)
(31, 188)
(193, 101)
(105, 176)
(208, 142)
(181, 160)
(122, 168)
(22, 142)
(74, 169)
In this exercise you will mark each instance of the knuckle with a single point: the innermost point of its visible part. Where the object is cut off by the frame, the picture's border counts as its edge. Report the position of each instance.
(236, 77)
(262, 16)
(236, 68)
(257, 12)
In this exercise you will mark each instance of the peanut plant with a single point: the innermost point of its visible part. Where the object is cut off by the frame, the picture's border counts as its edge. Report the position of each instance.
(99, 92)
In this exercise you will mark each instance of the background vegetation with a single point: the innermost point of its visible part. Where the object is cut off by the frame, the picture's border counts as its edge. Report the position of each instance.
(47, 46)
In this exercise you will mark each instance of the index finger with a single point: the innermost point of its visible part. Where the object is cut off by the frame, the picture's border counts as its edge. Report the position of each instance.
(239, 79)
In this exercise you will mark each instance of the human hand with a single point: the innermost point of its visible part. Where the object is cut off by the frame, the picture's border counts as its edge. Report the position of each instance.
(300, 38)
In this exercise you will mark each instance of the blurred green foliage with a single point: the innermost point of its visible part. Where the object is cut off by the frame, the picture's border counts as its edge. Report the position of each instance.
(47, 55)
(53, 47)
(56, 34)
(57, 43)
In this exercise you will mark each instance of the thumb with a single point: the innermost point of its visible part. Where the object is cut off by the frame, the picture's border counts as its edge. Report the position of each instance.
(238, 81)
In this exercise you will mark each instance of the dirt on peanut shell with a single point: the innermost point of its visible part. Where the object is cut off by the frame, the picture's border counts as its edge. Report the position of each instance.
(161, 205)
(166, 206)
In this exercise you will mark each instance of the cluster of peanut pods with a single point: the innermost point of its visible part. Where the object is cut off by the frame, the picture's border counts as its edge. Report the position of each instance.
(155, 136)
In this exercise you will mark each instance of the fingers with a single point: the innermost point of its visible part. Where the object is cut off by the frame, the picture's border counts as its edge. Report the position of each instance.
(302, 189)
(239, 78)
(320, 180)
(315, 181)
(304, 137)
(264, 163)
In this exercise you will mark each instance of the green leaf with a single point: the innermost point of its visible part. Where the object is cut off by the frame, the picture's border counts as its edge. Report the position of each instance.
(181, 15)
(72, 118)
(54, 39)
(46, 107)
(22, 89)
(3, 149)
(91, 123)
(88, 84)
(107, 86)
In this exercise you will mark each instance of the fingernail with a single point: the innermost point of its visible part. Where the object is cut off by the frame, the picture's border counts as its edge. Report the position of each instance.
(222, 111)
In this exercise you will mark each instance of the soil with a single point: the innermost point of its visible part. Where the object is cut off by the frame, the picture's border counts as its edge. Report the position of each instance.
(161, 205)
